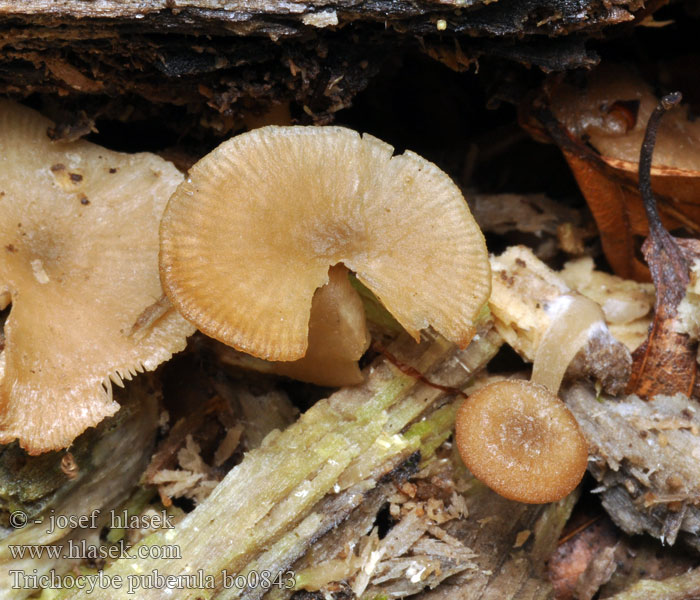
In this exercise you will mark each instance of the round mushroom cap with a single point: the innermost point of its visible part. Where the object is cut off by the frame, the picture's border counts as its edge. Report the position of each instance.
(79, 262)
(522, 441)
(251, 233)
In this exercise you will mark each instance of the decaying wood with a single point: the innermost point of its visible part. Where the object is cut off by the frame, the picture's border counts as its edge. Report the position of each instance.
(507, 542)
(275, 501)
(512, 542)
(681, 587)
(523, 291)
(225, 59)
(644, 456)
(415, 553)
(551, 224)
(581, 566)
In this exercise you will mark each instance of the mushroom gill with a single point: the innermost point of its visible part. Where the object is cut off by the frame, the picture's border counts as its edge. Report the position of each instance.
(250, 235)
(79, 263)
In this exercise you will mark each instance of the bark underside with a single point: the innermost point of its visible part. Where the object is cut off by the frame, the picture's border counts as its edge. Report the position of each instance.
(123, 60)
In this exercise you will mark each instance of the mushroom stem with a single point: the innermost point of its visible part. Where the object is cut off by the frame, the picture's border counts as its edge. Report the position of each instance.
(518, 437)
(575, 316)
(338, 335)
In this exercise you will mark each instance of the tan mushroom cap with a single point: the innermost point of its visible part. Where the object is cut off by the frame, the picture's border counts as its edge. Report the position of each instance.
(79, 261)
(522, 441)
(250, 235)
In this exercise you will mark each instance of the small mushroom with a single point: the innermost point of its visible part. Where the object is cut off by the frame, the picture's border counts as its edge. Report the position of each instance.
(79, 263)
(517, 436)
(249, 237)
(521, 440)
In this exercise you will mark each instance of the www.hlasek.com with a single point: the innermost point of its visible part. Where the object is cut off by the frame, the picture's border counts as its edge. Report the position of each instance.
(153, 580)
(81, 550)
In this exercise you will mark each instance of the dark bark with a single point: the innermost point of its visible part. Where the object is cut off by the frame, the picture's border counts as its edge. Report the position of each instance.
(123, 59)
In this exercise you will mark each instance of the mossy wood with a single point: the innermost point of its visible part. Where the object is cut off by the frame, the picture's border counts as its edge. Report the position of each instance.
(255, 521)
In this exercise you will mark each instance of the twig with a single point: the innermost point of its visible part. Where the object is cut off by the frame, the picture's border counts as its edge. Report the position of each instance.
(659, 236)
(573, 533)
(415, 373)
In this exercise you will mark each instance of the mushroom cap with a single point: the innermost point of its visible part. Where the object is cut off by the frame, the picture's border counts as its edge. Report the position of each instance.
(522, 441)
(79, 260)
(249, 237)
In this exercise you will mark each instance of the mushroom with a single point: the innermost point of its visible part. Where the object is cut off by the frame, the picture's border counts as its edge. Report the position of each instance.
(250, 235)
(517, 436)
(521, 440)
(78, 262)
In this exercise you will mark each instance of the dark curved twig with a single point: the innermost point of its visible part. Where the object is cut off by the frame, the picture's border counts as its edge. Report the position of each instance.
(669, 269)
(645, 156)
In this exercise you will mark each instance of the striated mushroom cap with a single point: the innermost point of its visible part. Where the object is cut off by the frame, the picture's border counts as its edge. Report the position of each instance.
(79, 262)
(250, 235)
(522, 441)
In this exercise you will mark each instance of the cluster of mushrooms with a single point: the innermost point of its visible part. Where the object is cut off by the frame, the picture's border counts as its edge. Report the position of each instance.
(252, 248)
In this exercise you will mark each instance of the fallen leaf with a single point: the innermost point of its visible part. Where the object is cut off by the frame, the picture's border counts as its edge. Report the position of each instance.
(666, 363)
(611, 190)
(614, 115)
(599, 129)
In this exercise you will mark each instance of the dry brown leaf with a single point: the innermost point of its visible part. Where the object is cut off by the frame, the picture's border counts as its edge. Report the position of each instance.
(611, 190)
(666, 363)
(610, 114)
